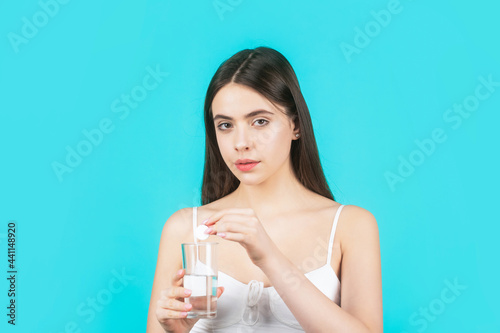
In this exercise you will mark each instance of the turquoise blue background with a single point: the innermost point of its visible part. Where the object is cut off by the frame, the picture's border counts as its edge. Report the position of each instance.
(105, 217)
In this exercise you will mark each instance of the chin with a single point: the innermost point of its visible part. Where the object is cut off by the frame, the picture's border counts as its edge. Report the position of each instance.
(249, 180)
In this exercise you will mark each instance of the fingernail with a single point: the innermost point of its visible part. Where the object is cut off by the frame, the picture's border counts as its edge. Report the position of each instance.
(187, 306)
(221, 234)
(187, 292)
(179, 272)
(183, 313)
(209, 230)
(205, 222)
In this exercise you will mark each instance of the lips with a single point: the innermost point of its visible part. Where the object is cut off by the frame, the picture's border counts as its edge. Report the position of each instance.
(245, 161)
(246, 165)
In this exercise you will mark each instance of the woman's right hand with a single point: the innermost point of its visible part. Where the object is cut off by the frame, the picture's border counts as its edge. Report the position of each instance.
(171, 305)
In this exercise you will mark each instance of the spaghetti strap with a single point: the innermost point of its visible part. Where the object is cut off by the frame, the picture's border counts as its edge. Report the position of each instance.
(195, 218)
(332, 234)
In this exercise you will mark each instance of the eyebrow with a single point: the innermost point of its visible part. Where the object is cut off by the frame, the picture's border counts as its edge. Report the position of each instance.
(249, 115)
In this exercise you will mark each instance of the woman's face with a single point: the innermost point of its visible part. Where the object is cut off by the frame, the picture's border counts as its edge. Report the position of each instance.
(264, 137)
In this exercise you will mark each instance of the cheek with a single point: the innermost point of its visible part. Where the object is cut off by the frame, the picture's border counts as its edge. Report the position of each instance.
(227, 151)
(272, 136)
(275, 143)
(224, 147)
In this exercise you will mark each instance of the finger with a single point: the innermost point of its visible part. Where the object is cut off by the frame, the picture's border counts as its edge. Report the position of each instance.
(218, 215)
(220, 290)
(173, 304)
(177, 278)
(176, 292)
(232, 227)
(228, 220)
(232, 236)
(162, 313)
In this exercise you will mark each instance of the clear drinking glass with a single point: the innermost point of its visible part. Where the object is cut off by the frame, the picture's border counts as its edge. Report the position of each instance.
(200, 262)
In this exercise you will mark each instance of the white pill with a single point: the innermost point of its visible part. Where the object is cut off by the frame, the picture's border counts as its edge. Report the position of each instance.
(200, 232)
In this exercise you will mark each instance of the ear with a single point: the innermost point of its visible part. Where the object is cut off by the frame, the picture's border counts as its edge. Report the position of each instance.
(295, 127)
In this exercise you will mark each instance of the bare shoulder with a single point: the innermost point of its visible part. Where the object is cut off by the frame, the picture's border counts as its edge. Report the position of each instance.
(358, 216)
(358, 223)
(176, 230)
(178, 222)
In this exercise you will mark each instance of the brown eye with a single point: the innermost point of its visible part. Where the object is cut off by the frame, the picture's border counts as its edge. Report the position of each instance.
(266, 122)
(222, 129)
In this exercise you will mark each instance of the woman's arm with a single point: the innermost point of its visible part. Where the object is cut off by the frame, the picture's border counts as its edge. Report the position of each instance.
(361, 286)
(169, 262)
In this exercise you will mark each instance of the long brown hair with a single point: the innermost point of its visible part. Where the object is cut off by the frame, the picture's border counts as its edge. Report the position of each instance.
(268, 72)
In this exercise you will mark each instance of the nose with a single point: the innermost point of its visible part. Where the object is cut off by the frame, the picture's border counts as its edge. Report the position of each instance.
(242, 140)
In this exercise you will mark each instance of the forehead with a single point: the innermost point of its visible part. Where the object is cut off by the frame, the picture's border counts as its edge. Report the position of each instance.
(236, 100)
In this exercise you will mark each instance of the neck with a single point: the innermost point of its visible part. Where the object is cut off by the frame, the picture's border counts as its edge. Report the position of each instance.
(278, 194)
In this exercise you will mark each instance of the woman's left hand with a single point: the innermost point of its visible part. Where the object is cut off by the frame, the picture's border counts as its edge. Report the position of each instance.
(242, 225)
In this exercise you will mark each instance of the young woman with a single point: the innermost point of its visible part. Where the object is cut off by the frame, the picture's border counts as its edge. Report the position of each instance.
(291, 259)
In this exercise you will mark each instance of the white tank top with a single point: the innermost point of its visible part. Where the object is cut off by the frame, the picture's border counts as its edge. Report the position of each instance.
(252, 308)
